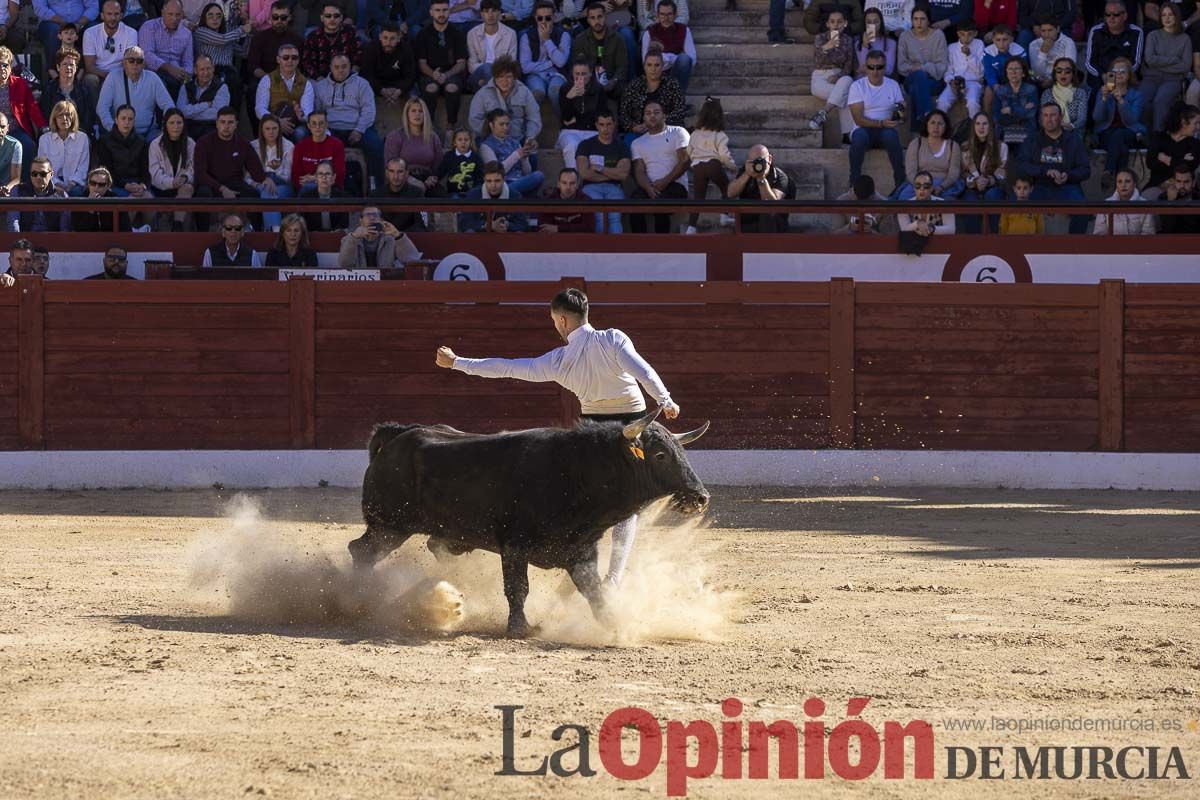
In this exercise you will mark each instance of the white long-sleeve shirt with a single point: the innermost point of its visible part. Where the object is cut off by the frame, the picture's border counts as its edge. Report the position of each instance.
(602, 368)
(968, 67)
(69, 157)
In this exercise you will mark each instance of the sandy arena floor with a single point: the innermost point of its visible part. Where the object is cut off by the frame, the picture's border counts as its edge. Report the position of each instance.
(159, 644)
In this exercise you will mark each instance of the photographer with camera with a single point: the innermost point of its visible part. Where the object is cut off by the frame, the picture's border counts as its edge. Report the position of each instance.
(761, 180)
(877, 107)
(371, 244)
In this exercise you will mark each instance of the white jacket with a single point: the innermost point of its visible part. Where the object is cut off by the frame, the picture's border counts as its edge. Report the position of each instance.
(162, 174)
(968, 67)
(69, 157)
(1126, 224)
(1042, 64)
(506, 45)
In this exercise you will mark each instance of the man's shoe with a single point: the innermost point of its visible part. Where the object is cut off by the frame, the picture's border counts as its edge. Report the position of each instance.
(690, 230)
(727, 220)
(818, 120)
(778, 37)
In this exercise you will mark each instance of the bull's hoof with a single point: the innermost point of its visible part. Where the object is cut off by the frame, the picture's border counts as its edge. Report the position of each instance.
(521, 630)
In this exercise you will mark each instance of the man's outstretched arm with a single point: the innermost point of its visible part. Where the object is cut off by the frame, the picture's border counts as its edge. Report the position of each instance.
(632, 362)
(535, 370)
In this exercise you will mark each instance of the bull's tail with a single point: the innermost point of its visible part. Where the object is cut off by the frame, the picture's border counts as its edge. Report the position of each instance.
(383, 433)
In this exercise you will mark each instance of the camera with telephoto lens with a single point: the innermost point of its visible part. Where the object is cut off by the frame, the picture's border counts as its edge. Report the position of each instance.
(759, 165)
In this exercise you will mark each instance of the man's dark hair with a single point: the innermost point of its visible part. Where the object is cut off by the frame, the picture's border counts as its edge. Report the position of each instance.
(21, 244)
(336, 6)
(1182, 168)
(968, 24)
(491, 5)
(863, 187)
(1047, 19)
(493, 168)
(68, 26)
(668, 3)
(227, 111)
(41, 250)
(495, 114)
(1050, 104)
(389, 27)
(876, 54)
(544, 4)
(570, 301)
(571, 170)
(604, 112)
(281, 5)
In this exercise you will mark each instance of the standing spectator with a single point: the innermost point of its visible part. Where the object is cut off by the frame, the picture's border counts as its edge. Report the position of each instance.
(654, 87)
(708, 151)
(173, 164)
(276, 152)
(1181, 189)
(1114, 38)
(946, 15)
(399, 187)
(461, 167)
(1056, 162)
(964, 75)
(1015, 104)
(12, 154)
(116, 262)
(603, 51)
(99, 220)
(493, 187)
(202, 96)
(922, 60)
(1069, 93)
(223, 40)
(334, 37)
(315, 149)
(660, 163)
(232, 250)
(1126, 224)
(441, 51)
(1032, 13)
(603, 163)
(135, 87)
(167, 46)
(932, 152)
(877, 108)
(70, 86)
(833, 71)
(544, 48)
(1165, 66)
(1047, 49)
(580, 102)
(990, 13)
(416, 142)
(567, 190)
(292, 249)
(68, 148)
(389, 66)
(127, 156)
(929, 223)
(512, 153)
(39, 186)
(323, 187)
(265, 45)
(874, 37)
(286, 93)
(816, 15)
(223, 161)
(349, 103)
(370, 243)
(17, 102)
(1118, 117)
(53, 14)
(487, 42)
(1175, 145)
(763, 181)
(104, 45)
(678, 47)
(984, 168)
(897, 14)
(506, 93)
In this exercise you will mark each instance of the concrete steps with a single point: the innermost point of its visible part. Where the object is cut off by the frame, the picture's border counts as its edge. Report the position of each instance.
(779, 112)
(756, 59)
(741, 139)
(719, 84)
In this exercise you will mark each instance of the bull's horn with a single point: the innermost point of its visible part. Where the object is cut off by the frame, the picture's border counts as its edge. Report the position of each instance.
(691, 436)
(634, 429)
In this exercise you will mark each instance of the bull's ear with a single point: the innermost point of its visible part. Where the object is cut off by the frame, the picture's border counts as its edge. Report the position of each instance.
(634, 429)
(691, 436)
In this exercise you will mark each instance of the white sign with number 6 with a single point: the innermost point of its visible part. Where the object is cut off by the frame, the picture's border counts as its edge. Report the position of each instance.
(460, 267)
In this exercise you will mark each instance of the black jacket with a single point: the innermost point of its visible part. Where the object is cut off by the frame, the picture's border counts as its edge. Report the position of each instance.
(395, 70)
(127, 158)
(403, 220)
(338, 220)
(98, 221)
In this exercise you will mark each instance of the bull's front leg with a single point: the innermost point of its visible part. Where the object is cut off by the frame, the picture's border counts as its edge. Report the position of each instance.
(586, 575)
(374, 545)
(515, 565)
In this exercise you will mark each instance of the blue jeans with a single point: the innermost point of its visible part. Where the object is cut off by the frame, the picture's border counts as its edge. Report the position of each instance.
(906, 191)
(606, 191)
(681, 70)
(1118, 142)
(775, 15)
(527, 184)
(283, 190)
(973, 223)
(28, 147)
(864, 139)
(1080, 223)
(922, 89)
(546, 85)
(372, 147)
(631, 49)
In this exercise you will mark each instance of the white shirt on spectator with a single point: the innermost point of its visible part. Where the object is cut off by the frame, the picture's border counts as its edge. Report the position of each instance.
(968, 67)
(879, 102)
(1042, 64)
(262, 95)
(658, 151)
(70, 156)
(95, 39)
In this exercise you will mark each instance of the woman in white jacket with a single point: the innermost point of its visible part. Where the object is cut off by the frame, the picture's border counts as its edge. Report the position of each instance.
(68, 149)
(1126, 224)
(173, 163)
(275, 152)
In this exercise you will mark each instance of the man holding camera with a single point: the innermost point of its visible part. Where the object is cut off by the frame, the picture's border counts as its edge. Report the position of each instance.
(876, 104)
(371, 244)
(761, 180)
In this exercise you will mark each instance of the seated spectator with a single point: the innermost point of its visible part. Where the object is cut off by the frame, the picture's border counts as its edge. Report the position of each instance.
(513, 154)
(397, 186)
(1032, 13)
(761, 180)
(603, 51)
(370, 243)
(224, 161)
(877, 108)
(39, 185)
(1056, 162)
(389, 65)
(581, 103)
(441, 53)
(875, 37)
(1181, 189)
(1112, 39)
(418, 144)
(68, 148)
(127, 156)
(1070, 95)
(487, 42)
(104, 45)
(1046, 51)
(461, 167)
(173, 164)
(989, 14)
(678, 47)
(708, 152)
(202, 96)
(1176, 145)
(660, 163)
(1015, 104)
(99, 220)
(504, 92)
(325, 187)
(316, 148)
(286, 93)
(946, 15)
(833, 71)
(349, 104)
(544, 48)
(964, 75)
(817, 13)
(231, 251)
(652, 87)
(933, 152)
(52, 15)
(135, 87)
(263, 58)
(41, 255)
(1118, 117)
(925, 224)
(20, 261)
(25, 117)
(116, 264)
(333, 37)
(493, 187)
(276, 152)
(222, 40)
(11, 157)
(517, 14)
(70, 86)
(565, 221)
(922, 60)
(863, 191)
(68, 38)
(603, 163)
(292, 249)
(167, 46)
(984, 169)
(1126, 224)
(995, 59)
(1165, 66)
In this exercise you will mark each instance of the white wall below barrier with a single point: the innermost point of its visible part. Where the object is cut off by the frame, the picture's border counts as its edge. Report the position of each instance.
(181, 469)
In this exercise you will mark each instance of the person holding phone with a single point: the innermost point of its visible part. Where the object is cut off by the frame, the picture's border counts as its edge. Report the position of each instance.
(369, 243)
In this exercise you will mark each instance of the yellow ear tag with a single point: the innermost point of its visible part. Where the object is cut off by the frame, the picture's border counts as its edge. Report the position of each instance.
(637, 451)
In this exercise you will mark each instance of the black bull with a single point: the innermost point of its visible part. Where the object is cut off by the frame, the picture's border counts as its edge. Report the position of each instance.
(541, 497)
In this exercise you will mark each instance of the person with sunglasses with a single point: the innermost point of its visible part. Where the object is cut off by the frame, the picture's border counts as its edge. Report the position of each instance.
(286, 93)
(876, 105)
(116, 266)
(231, 251)
(26, 121)
(1045, 51)
(41, 186)
(543, 51)
(1110, 39)
(264, 49)
(104, 45)
(138, 88)
(1070, 94)
(99, 220)
(1117, 116)
(334, 36)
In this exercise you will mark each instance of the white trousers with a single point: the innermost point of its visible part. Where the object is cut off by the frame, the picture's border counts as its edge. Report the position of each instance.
(569, 141)
(972, 92)
(623, 534)
(834, 88)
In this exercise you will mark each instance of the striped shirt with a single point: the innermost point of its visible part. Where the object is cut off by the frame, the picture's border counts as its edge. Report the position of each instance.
(164, 47)
(221, 47)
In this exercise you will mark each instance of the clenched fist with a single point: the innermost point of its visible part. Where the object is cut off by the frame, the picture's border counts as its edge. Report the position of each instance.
(445, 357)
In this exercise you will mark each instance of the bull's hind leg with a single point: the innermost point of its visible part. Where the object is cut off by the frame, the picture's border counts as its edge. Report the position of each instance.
(374, 545)
(586, 575)
(515, 565)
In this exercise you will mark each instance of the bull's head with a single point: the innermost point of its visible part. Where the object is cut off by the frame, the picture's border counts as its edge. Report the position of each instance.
(668, 464)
